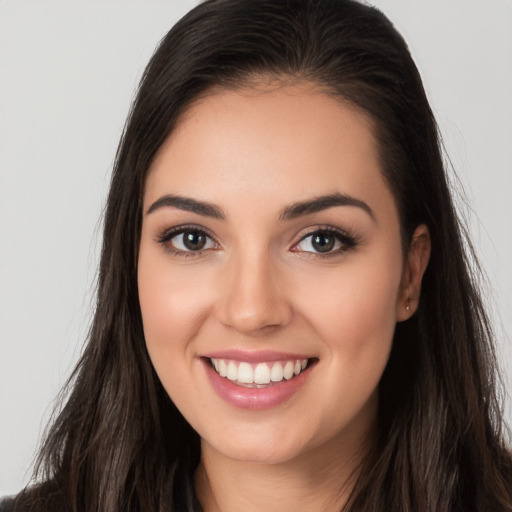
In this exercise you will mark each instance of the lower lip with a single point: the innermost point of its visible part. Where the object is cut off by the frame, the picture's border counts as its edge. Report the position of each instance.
(255, 398)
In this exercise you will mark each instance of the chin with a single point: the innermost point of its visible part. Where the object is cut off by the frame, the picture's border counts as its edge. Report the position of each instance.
(257, 447)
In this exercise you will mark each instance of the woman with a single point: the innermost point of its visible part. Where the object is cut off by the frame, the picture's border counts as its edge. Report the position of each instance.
(284, 302)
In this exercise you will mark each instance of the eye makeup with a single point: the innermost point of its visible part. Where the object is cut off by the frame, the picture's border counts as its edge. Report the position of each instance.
(188, 241)
(325, 242)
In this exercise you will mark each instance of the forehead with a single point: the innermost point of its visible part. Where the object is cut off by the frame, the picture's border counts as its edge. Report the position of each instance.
(280, 143)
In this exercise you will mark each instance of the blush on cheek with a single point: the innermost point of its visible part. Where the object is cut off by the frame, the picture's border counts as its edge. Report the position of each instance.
(359, 322)
(173, 311)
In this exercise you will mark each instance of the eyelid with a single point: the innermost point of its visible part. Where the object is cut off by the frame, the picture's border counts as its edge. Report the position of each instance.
(348, 241)
(164, 237)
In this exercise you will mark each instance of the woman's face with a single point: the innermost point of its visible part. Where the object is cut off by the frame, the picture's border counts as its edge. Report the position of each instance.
(271, 272)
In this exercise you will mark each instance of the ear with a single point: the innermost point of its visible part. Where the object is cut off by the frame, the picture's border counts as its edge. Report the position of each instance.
(414, 268)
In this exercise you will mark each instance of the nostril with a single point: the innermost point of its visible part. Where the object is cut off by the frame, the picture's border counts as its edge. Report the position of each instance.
(253, 305)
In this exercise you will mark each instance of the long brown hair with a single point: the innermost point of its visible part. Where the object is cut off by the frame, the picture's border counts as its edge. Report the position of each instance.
(119, 443)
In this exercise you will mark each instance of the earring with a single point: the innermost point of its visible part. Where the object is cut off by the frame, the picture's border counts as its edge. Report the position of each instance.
(407, 306)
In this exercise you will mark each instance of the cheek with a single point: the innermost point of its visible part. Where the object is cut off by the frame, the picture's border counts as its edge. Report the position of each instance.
(173, 305)
(354, 310)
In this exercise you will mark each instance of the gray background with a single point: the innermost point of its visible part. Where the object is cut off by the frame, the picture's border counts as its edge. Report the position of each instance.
(68, 70)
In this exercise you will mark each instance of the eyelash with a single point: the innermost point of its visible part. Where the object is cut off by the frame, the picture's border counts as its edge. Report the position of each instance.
(347, 241)
(165, 240)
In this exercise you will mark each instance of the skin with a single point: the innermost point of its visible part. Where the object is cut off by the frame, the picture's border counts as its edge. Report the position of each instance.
(260, 285)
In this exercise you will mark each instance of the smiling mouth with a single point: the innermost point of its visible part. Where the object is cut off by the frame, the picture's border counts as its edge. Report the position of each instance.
(260, 375)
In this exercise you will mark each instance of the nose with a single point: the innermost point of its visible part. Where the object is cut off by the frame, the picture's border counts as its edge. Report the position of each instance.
(254, 296)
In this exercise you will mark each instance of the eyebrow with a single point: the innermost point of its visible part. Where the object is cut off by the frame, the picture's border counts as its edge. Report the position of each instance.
(320, 203)
(290, 212)
(188, 204)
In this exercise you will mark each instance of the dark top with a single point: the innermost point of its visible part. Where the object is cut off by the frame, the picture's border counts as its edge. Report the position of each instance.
(53, 503)
(51, 499)
(6, 504)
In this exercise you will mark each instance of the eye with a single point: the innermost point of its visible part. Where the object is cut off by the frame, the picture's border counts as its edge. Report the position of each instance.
(187, 240)
(192, 240)
(325, 241)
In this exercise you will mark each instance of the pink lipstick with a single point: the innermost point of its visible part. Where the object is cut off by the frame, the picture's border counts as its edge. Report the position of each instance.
(256, 380)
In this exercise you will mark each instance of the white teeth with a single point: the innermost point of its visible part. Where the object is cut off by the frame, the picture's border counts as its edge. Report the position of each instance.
(232, 371)
(245, 373)
(223, 367)
(288, 370)
(263, 373)
(276, 374)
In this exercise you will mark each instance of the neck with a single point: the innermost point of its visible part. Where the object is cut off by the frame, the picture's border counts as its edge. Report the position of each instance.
(321, 479)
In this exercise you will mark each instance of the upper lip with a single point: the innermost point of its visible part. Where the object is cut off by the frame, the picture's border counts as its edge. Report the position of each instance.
(259, 356)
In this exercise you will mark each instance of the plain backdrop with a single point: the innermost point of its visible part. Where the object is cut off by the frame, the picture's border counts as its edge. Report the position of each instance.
(68, 71)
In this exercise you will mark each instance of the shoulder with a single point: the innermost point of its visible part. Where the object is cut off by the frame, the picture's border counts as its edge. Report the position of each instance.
(38, 499)
(6, 504)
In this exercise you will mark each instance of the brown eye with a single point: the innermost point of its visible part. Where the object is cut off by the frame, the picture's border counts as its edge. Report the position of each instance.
(194, 240)
(188, 240)
(322, 242)
(326, 241)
